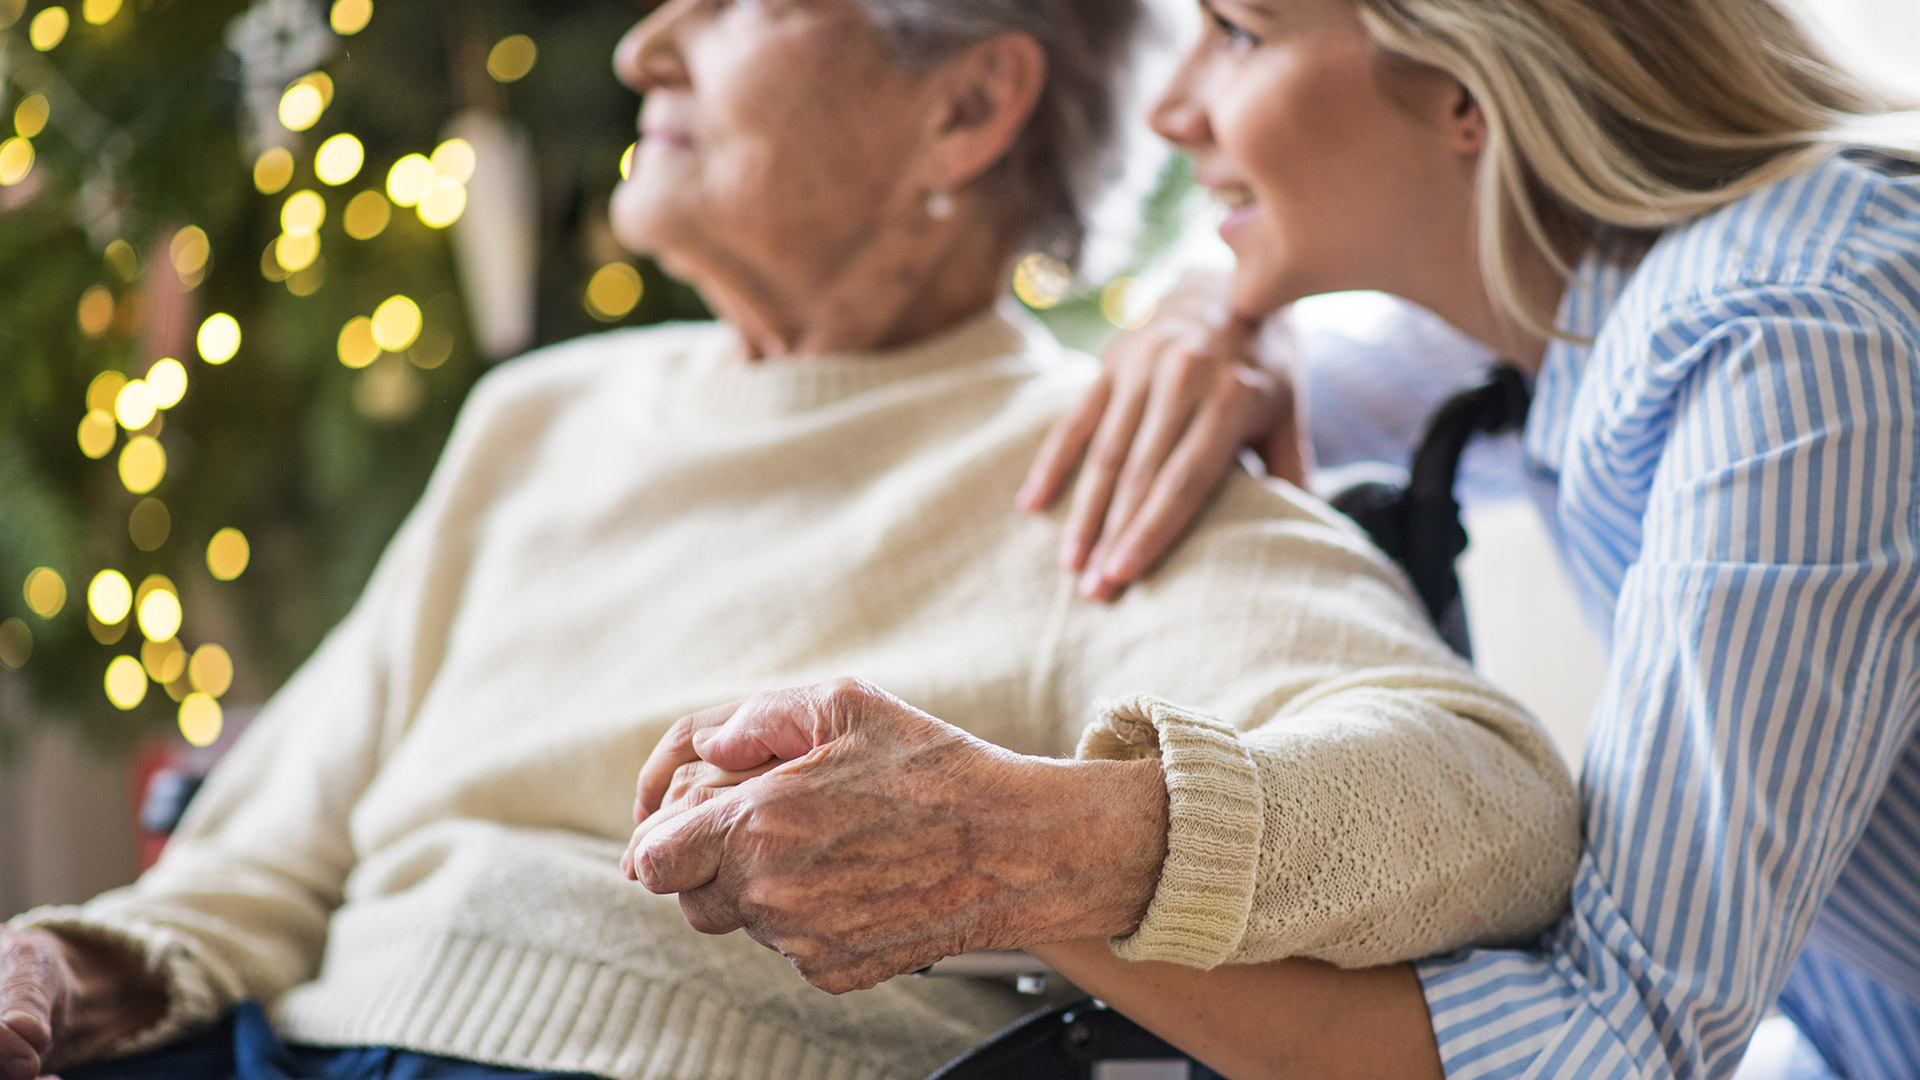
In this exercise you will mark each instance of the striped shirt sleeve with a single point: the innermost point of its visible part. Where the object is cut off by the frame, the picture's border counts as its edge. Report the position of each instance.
(1753, 494)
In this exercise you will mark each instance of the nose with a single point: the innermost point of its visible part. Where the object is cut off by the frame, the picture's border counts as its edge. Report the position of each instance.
(1179, 116)
(649, 56)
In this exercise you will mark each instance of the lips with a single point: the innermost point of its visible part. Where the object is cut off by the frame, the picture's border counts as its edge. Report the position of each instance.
(1237, 204)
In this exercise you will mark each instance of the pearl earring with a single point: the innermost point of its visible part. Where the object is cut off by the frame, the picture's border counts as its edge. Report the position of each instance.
(939, 205)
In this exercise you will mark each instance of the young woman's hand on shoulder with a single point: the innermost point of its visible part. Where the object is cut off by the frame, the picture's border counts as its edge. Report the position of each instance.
(1178, 400)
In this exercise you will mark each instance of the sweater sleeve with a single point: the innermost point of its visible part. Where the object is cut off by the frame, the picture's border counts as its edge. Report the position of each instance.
(1340, 786)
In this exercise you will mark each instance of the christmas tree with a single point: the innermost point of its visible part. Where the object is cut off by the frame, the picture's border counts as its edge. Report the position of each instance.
(255, 254)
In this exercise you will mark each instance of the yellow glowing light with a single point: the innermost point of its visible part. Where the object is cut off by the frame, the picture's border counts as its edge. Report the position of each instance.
(149, 526)
(190, 251)
(16, 160)
(46, 592)
(273, 172)
(16, 644)
(626, 162)
(126, 683)
(455, 158)
(100, 12)
(110, 597)
(301, 106)
(104, 390)
(121, 257)
(614, 292)
(367, 215)
(30, 119)
(396, 324)
(443, 203)
(49, 28)
(512, 59)
(409, 179)
(165, 660)
(143, 464)
(160, 615)
(98, 431)
(167, 382)
(200, 720)
(303, 213)
(357, 347)
(10, 11)
(134, 408)
(1042, 281)
(1121, 303)
(351, 16)
(219, 338)
(228, 554)
(96, 311)
(211, 671)
(296, 251)
(339, 160)
(307, 282)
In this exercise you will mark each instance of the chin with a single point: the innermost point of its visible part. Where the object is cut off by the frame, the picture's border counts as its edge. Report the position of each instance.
(644, 218)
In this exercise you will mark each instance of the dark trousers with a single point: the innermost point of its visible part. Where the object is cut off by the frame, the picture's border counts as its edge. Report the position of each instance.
(244, 1047)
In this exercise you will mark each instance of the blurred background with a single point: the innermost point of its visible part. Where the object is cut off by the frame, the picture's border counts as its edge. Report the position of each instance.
(253, 255)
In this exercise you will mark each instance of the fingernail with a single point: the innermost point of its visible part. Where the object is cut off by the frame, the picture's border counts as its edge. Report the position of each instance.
(1091, 583)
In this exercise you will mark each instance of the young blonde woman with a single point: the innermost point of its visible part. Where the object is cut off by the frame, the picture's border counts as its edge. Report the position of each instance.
(1665, 211)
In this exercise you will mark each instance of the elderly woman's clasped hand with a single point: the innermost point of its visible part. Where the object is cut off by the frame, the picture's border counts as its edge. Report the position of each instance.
(862, 838)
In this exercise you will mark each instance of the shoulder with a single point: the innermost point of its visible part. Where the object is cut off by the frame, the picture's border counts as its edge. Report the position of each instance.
(580, 368)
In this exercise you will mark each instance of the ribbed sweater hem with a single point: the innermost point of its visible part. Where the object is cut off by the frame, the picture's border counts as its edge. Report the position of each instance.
(486, 1000)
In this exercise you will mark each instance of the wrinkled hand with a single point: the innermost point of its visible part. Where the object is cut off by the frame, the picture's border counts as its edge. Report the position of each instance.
(862, 838)
(36, 994)
(1177, 402)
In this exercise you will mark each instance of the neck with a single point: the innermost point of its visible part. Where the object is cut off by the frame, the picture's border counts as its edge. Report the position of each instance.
(924, 278)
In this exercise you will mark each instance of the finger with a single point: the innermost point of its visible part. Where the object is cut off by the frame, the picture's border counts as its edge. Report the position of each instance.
(18, 1059)
(675, 749)
(1101, 469)
(672, 855)
(1066, 442)
(711, 910)
(1192, 472)
(1172, 406)
(769, 727)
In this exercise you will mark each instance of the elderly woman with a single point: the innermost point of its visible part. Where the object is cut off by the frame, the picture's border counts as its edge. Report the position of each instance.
(412, 859)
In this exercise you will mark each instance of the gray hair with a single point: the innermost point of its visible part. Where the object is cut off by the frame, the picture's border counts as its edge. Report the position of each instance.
(1074, 182)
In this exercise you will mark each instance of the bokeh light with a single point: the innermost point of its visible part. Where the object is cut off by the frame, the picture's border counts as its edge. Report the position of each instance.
(167, 382)
(409, 179)
(16, 160)
(135, 407)
(46, 592)
(211, 672)
(126, 683)
(30, 118)
(160, 615)
(454, 159)
(512, 59)
(339, 160)
(96, 311)
(98, 433)
(48, 29)
(367, 215)
(444, 202)
(143, 464)
(219, 338)
(626, 162)
(349, 17)
(614, 292)
(110, 597)
(228, 554)
(396, 324)
(16, 644)
(201, 720)
(295, 252)
(189, 251)
(357, 348)
(150, 525)
(124, 261)
(303, 213)
(304, 102)
(1042, 281)
(99, 12)
(273, 171)
(165, 661)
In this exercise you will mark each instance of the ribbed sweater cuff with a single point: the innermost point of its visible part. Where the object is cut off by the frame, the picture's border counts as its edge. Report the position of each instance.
(1198, 915)
(193, 1002)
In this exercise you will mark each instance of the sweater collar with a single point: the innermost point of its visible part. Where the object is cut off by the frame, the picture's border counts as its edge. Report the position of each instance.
(720, 384)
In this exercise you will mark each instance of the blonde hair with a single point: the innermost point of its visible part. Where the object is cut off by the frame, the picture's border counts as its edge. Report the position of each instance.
(1619, 118)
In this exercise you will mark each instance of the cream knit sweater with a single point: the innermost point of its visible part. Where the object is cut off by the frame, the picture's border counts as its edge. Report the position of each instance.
(416, 844)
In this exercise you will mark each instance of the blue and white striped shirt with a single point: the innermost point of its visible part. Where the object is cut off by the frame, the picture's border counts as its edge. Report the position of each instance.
(1734, 466)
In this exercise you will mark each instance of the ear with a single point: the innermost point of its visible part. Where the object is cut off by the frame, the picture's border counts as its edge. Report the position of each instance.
(1468, 123)
(985, 96)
